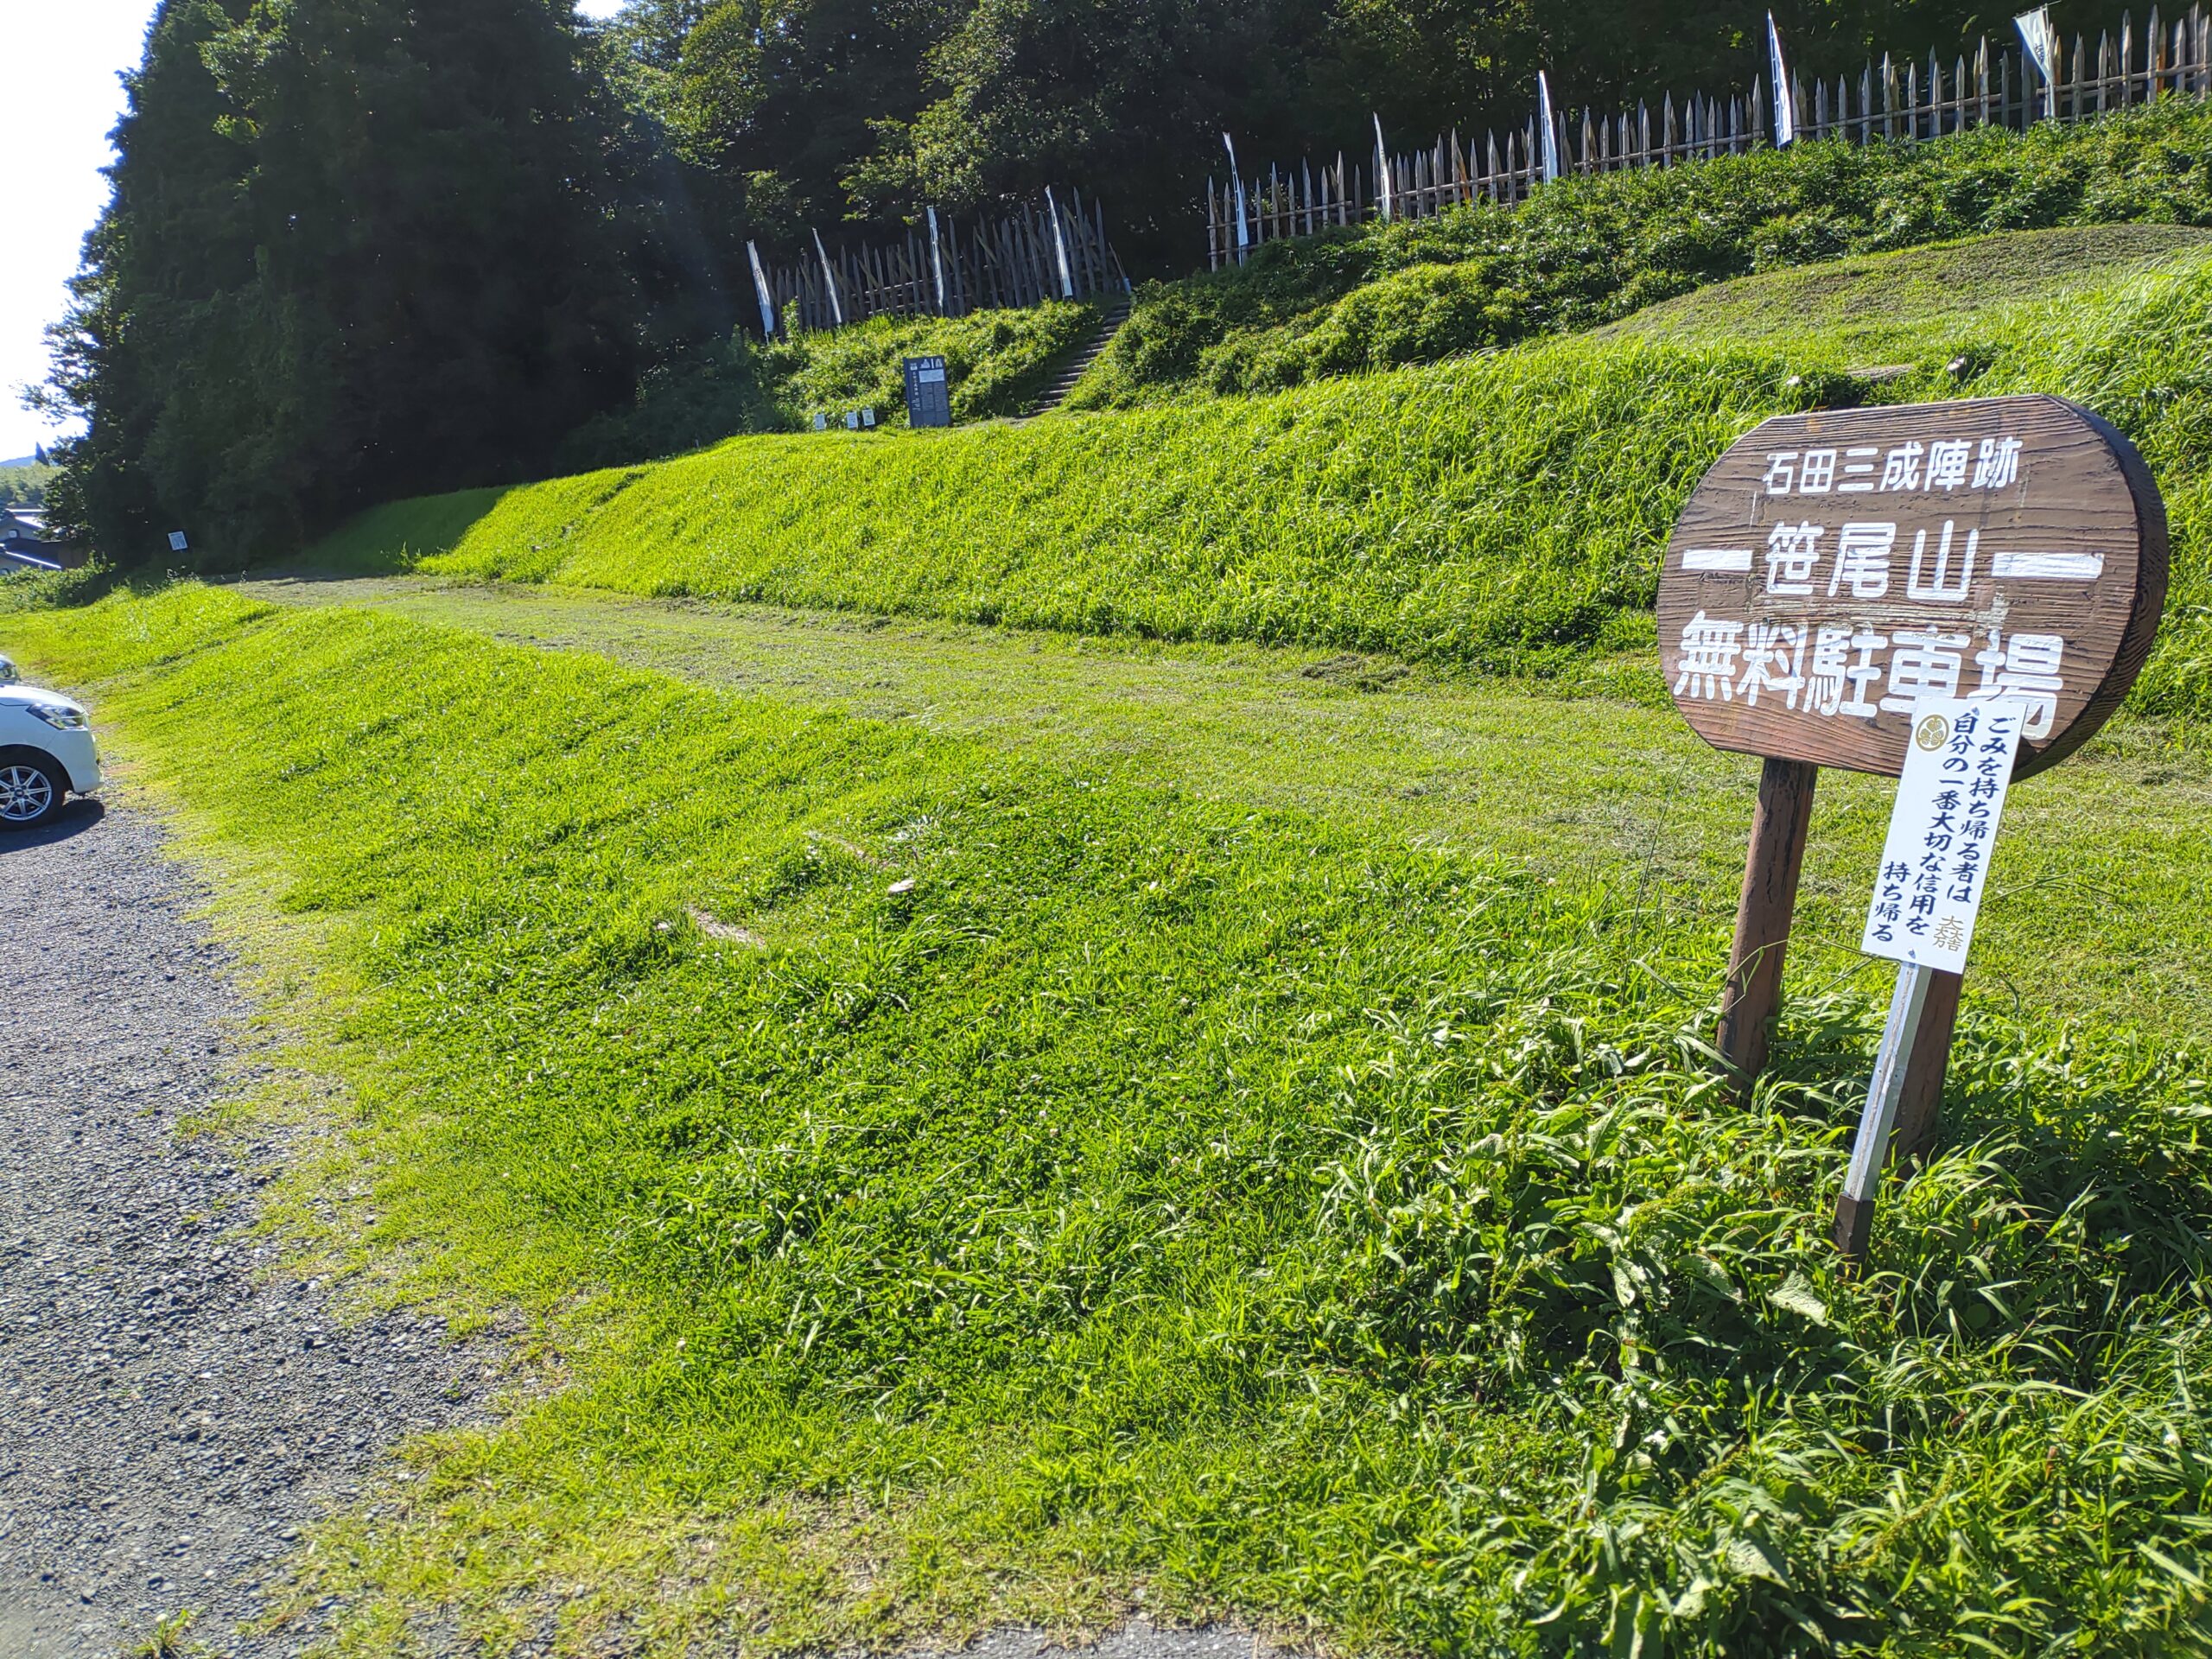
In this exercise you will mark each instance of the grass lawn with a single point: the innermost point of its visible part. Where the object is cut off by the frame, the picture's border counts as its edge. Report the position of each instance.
(1595, 777)
(1503, 513)
(1044, 1156)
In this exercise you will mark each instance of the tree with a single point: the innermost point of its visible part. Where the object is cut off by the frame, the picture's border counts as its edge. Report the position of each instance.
(163, 271)
(406, 262)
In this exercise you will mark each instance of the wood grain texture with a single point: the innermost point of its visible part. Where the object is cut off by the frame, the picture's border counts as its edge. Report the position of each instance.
(2048, 582)
(1921, 1100)
(1772, 871)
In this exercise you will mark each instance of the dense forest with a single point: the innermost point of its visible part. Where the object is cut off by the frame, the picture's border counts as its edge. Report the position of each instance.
(360, 248)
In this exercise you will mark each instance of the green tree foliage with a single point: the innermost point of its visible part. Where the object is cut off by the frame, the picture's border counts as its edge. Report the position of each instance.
(789, 115)
(355, 247)
(1128, 98)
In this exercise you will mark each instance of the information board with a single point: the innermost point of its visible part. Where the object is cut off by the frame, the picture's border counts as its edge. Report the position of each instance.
(929, 396)
(1835, 567)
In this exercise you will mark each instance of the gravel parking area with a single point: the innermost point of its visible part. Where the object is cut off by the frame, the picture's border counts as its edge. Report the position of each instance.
(172, 1411)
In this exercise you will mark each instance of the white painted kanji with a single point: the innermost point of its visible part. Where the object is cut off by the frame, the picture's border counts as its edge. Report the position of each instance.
(1947, 463)
(2027, 668)
(1925, 663)
(1706, 669)
(1773, 660)
(1862, 560)
(1941, 583)
(1858, 475)
(1862, 674)
(1830, 671)
(1997, 464)
(1792, 550)
(1901, 467)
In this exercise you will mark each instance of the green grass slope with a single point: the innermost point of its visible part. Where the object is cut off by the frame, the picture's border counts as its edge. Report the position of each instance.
(955, 1187)
(1582, 251)
(995, 364)
(1506, 512)
(1589, 251)
(1887, 305)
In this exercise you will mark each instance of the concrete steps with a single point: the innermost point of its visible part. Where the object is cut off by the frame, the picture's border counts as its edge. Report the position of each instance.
(1073, 370)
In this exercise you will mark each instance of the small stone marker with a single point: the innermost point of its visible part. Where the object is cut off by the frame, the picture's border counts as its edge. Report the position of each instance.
(1835, 570)
(929, 396)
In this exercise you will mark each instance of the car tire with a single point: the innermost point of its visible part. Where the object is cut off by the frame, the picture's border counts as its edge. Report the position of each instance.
(31, 791)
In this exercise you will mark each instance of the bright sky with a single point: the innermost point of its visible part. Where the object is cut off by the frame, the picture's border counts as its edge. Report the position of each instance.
(62, 98)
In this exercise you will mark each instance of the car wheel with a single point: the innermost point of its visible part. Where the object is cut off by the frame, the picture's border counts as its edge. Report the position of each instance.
(31, 791)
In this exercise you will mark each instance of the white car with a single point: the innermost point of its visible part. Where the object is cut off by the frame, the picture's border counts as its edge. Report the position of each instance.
(45, 751)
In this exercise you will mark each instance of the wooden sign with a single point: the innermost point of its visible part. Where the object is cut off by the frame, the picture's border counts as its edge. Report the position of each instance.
(1835, 571)
(1833, 568)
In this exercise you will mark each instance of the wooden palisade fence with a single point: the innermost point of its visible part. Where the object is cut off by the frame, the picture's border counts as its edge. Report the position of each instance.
(1052, 250)
(1913, 101)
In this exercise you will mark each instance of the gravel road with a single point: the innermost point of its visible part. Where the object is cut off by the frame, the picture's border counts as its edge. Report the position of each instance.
(174, 1407)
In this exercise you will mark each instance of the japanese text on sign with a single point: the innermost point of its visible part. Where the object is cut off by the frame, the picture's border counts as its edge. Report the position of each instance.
(1835, 567)
(1935, 860)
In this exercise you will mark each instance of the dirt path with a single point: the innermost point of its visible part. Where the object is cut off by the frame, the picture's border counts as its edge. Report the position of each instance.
(171, 1412)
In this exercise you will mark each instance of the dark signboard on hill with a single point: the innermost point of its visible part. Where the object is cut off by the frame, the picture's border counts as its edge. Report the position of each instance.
(1835, 567)
(1847, 583)
(929, 396)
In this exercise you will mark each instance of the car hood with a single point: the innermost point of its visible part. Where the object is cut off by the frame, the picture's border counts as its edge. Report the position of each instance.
(18, 696)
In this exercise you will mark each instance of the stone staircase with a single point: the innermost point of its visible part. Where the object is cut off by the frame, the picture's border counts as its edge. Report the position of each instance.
(1073, 370)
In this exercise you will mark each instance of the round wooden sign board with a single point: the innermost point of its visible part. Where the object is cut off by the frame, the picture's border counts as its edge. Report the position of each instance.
(1833, 567)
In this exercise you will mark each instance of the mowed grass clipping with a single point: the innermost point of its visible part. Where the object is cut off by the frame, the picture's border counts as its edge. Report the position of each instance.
(1507, 512)
(995, 1190)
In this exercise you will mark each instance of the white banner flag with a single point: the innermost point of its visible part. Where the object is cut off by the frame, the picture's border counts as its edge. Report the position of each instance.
(1551, 127)
(1383, 191)
(1059, 244)
(830, 281)
(1237, 184)
(760, 288)
(1785, 106)
(936, 261)
(2041, 42)
(1935, 861)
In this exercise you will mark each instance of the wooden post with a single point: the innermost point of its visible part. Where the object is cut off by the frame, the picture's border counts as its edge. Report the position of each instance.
(1771, 874)
(1922, 1095)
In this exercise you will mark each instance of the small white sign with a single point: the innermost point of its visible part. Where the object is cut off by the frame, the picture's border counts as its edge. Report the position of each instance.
(177, 543)
(1935, 863)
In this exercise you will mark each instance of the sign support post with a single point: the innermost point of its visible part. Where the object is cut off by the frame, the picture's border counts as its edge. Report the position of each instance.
(1770, 877)
(1854, 1209)
(1923, 1093)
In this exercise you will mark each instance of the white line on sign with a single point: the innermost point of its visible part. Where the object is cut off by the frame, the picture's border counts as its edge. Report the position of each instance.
(2048, 567)
(1717, 558)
